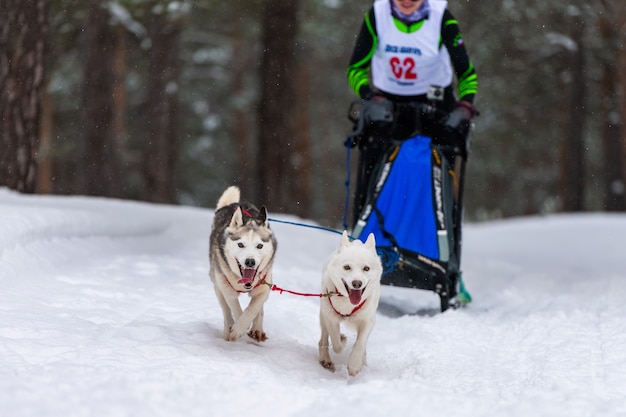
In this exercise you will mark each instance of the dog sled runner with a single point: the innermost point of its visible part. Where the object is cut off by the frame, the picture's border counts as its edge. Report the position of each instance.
(413, 205)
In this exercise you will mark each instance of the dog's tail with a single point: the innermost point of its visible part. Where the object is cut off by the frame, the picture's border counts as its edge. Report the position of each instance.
(230, 196)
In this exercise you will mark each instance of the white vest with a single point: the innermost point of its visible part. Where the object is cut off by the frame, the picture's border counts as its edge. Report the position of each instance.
(406, 64)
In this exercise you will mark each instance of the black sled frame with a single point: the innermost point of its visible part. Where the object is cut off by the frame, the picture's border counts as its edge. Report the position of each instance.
(404, 268)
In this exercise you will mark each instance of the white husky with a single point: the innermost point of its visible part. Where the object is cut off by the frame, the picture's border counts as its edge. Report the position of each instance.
(241, 251)
(351, 277)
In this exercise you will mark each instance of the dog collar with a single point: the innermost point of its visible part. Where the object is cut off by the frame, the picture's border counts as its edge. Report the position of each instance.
(354, 310)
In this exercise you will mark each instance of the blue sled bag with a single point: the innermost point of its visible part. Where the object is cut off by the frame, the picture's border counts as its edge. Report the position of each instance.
(409, 209)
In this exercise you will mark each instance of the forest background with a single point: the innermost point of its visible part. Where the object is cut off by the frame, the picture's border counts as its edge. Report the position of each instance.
(171, 101)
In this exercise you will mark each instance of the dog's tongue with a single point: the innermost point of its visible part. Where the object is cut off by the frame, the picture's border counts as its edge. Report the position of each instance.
(355, 296)
(247, 275)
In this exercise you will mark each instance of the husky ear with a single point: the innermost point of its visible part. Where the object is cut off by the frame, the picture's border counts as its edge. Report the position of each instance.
(345, 240)
(237, 219)
(262, 216)
(370, 243)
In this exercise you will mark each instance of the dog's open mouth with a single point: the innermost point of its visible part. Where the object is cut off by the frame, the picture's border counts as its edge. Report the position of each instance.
(247, 277)
(354, 294)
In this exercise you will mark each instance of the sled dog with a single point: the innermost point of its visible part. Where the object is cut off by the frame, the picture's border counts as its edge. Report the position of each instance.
(241, 253)
(351, 285)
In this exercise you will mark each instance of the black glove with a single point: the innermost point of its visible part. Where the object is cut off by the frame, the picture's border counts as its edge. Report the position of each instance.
(374, 111)
(377, 109)
(458, 121)
(460, 116)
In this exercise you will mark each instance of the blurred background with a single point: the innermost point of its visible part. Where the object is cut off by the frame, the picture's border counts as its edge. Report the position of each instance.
(172, 101)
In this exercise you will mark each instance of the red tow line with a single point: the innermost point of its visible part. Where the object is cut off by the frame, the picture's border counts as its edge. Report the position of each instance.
(319, 295)
(275, 287)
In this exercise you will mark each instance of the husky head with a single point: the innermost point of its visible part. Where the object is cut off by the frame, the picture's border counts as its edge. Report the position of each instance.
(354, 268)
(249, 246)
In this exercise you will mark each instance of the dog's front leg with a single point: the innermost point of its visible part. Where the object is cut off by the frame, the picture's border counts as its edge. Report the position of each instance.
(325, 359)
(243, 321)
(356, 360)
(226, 311)
(337, 338)
(257, 332)
(229, 301)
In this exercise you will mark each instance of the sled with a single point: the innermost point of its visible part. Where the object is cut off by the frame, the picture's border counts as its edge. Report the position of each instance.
(414, 208)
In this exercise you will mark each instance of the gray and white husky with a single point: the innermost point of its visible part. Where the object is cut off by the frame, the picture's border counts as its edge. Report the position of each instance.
(351, 278)
(241, 253)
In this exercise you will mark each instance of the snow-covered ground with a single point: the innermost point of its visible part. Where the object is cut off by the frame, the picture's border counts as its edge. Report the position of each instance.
(106, 309)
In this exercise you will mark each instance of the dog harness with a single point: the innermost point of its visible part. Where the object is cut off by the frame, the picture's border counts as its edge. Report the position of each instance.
(354, 310)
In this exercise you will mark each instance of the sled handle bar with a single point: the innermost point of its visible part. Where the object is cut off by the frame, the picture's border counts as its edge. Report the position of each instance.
(362, 112)
(356, 106)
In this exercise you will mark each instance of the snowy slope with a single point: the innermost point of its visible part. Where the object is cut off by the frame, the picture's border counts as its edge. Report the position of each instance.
(106, 309)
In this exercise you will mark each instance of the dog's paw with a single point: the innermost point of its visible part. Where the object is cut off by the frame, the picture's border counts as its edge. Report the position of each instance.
(328, 364)
(353, 371)
(355, 364)
(233, 335)
(257, 335)
(226, 333)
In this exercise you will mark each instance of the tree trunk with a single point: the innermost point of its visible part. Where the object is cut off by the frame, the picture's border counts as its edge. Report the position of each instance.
(301, 162)
(120, 106)
(101, 158)
(23, 28)
(572, 151)
(45, 167)
(161, 145)
(244, 162)
(612, 125)
(275, 173)
(619, 188)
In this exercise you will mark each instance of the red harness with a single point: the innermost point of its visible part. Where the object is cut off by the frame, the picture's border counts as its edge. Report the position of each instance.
(354, 310)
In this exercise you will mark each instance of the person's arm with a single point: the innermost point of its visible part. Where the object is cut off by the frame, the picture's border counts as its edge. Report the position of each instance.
(364, 48)
(467, 81)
